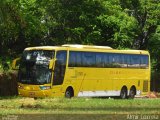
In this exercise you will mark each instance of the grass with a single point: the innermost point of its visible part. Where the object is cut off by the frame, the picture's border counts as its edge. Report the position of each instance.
(19, 108)
(19, 105)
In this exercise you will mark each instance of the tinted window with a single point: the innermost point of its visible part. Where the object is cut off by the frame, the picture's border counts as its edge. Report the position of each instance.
(107, 60)
(144, 61)
(124, 61)
(134, 61)
(78, 59)
(72, 59)
(88, 59)
(100, 60)
(117, 60)
(75, 59)
(113, 60)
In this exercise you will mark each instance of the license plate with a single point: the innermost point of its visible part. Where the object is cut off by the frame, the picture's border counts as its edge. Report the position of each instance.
(32, 94)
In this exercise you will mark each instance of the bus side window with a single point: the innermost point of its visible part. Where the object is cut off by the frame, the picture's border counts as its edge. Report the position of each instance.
(106, 60)
(111, 60)
(144, 61)
(100, 60)
(128, 60)
(135, 61)
(72, 59)
(123, 61)
(75, 59)
(78, 59)
(117, 60)
(89, 59)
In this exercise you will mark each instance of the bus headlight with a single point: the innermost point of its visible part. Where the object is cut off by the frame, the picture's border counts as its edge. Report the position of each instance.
(20, 87)
(45, 87)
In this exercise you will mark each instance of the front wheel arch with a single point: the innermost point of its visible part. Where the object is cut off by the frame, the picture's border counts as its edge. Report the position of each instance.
(69, 93)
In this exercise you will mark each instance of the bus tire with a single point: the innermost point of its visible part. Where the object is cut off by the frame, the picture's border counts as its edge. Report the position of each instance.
(123, 93)
(69, 92)
(132, 92)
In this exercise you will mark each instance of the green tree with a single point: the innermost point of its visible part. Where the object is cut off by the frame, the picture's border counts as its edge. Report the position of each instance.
(71, 21)
(146, 13)
(21, 25)
(10, 26)
(115, 23)
(117, 29)
(88, 22)
(154, 49)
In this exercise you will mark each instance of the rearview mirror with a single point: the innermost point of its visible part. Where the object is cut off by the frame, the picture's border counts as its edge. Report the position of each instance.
(52, 63)
(15, 64)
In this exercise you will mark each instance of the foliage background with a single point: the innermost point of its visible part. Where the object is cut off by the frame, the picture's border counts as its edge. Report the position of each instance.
(121, 24)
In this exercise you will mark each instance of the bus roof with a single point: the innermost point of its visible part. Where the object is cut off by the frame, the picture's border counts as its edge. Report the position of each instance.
(86, 46)
(79, 47)
(42, 48)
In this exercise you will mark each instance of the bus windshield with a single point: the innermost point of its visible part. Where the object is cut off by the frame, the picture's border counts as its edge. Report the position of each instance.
(34, 67)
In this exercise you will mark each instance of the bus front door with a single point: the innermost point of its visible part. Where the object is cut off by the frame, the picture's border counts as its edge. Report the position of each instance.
(59, 73)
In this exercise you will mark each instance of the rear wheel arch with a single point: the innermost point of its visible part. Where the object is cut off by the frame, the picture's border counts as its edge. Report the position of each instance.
(132, 92)
(123, 92)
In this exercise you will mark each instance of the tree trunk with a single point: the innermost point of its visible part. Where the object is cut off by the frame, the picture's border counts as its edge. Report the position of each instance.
(1, 50)
(142, 40)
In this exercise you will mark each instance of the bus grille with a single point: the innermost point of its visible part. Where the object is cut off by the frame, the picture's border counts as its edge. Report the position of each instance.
(145, 86)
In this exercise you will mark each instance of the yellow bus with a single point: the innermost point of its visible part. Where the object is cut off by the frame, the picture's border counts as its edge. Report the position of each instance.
(83, 71)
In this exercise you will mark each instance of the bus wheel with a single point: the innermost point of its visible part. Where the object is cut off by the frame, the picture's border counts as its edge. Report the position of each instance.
(69, 92)
(123, 94)
(132, 93)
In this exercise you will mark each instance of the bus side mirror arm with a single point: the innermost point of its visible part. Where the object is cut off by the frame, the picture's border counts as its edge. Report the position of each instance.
(15, 65)
(52, 63)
